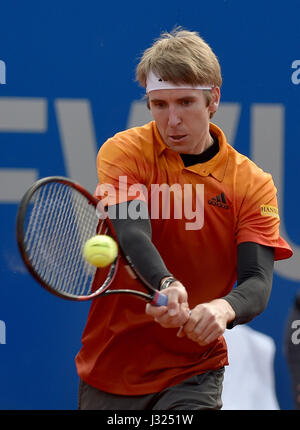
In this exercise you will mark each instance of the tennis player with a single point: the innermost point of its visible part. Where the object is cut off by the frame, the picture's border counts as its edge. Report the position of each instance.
(173, 357)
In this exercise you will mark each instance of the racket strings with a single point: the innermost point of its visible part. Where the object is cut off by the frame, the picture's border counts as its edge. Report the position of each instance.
(54, 226)
(60, 221)
(48, 250)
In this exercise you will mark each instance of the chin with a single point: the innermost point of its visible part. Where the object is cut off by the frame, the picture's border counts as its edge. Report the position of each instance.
(184, 146)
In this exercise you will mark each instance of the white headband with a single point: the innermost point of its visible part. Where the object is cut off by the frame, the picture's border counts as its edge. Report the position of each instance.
(156, 83)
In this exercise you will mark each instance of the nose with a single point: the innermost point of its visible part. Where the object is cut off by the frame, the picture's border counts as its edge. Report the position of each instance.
(174, 118)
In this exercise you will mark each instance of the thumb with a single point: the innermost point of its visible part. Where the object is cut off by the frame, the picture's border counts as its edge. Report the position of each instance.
(173, 308)
(180, 332)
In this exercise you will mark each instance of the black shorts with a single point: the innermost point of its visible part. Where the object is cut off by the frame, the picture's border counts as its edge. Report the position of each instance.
(202, 391)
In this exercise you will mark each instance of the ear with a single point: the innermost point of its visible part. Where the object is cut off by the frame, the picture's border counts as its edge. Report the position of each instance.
(215, 100)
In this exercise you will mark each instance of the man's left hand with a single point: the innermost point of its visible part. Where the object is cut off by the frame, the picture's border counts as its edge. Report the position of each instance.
(207, 321)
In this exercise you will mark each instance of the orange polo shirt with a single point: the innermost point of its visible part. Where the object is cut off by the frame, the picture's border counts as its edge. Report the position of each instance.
(212, 207)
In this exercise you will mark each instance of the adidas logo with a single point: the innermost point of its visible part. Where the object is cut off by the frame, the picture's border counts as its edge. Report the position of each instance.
(219, 201)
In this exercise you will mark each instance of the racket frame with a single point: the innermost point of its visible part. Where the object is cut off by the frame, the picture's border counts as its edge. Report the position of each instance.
(154, 296)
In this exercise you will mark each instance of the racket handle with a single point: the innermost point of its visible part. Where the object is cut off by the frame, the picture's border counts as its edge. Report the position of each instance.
(159, 299)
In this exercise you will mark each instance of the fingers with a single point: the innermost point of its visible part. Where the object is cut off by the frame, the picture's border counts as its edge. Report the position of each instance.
(167, 319)
(156, 311)
(181, 332)
(176, 313)
(205, 324)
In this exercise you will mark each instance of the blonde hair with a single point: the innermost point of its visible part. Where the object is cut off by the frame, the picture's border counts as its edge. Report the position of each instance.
(180, 57)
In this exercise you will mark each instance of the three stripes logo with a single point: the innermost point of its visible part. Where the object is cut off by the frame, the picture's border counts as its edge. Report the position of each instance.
(219, 201)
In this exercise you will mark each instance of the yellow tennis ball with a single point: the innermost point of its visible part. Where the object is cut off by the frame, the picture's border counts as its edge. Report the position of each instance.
(100, 250)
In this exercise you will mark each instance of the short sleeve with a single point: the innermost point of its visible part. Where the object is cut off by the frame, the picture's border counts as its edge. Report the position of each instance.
(119, 173)
(258, 217)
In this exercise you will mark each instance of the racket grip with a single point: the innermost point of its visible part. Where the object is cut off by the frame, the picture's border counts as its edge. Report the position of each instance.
(159, 299)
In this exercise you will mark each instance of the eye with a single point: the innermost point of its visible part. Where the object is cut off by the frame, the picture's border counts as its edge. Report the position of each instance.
(159, 104)
(186, 102)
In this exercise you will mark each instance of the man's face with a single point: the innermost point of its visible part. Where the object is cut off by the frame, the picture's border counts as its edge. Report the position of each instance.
(182, 117)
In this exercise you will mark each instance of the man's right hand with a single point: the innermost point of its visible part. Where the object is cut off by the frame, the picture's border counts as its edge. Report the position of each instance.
(177, 312)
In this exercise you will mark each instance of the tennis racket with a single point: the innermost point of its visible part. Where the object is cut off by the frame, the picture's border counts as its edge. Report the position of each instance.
(55, 218)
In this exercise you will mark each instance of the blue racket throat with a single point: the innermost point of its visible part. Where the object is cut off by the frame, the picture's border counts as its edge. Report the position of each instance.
(159, 299)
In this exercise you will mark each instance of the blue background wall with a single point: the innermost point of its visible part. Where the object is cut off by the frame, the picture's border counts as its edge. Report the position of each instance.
(69, 85)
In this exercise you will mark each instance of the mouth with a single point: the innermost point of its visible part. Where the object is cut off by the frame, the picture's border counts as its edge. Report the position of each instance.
(177, 137)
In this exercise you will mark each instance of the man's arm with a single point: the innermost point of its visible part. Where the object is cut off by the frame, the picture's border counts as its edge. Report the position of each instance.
(254, 282)
(255, 273)
(134, 236)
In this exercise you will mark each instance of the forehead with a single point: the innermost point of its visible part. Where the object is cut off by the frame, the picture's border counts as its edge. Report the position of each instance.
(175, 94)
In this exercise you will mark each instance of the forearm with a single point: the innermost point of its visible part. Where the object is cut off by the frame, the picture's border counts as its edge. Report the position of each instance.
(134, 237)
(254, 284)
(248, 300)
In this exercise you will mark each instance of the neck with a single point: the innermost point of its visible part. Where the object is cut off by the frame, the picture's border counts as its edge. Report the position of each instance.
(209, 141)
